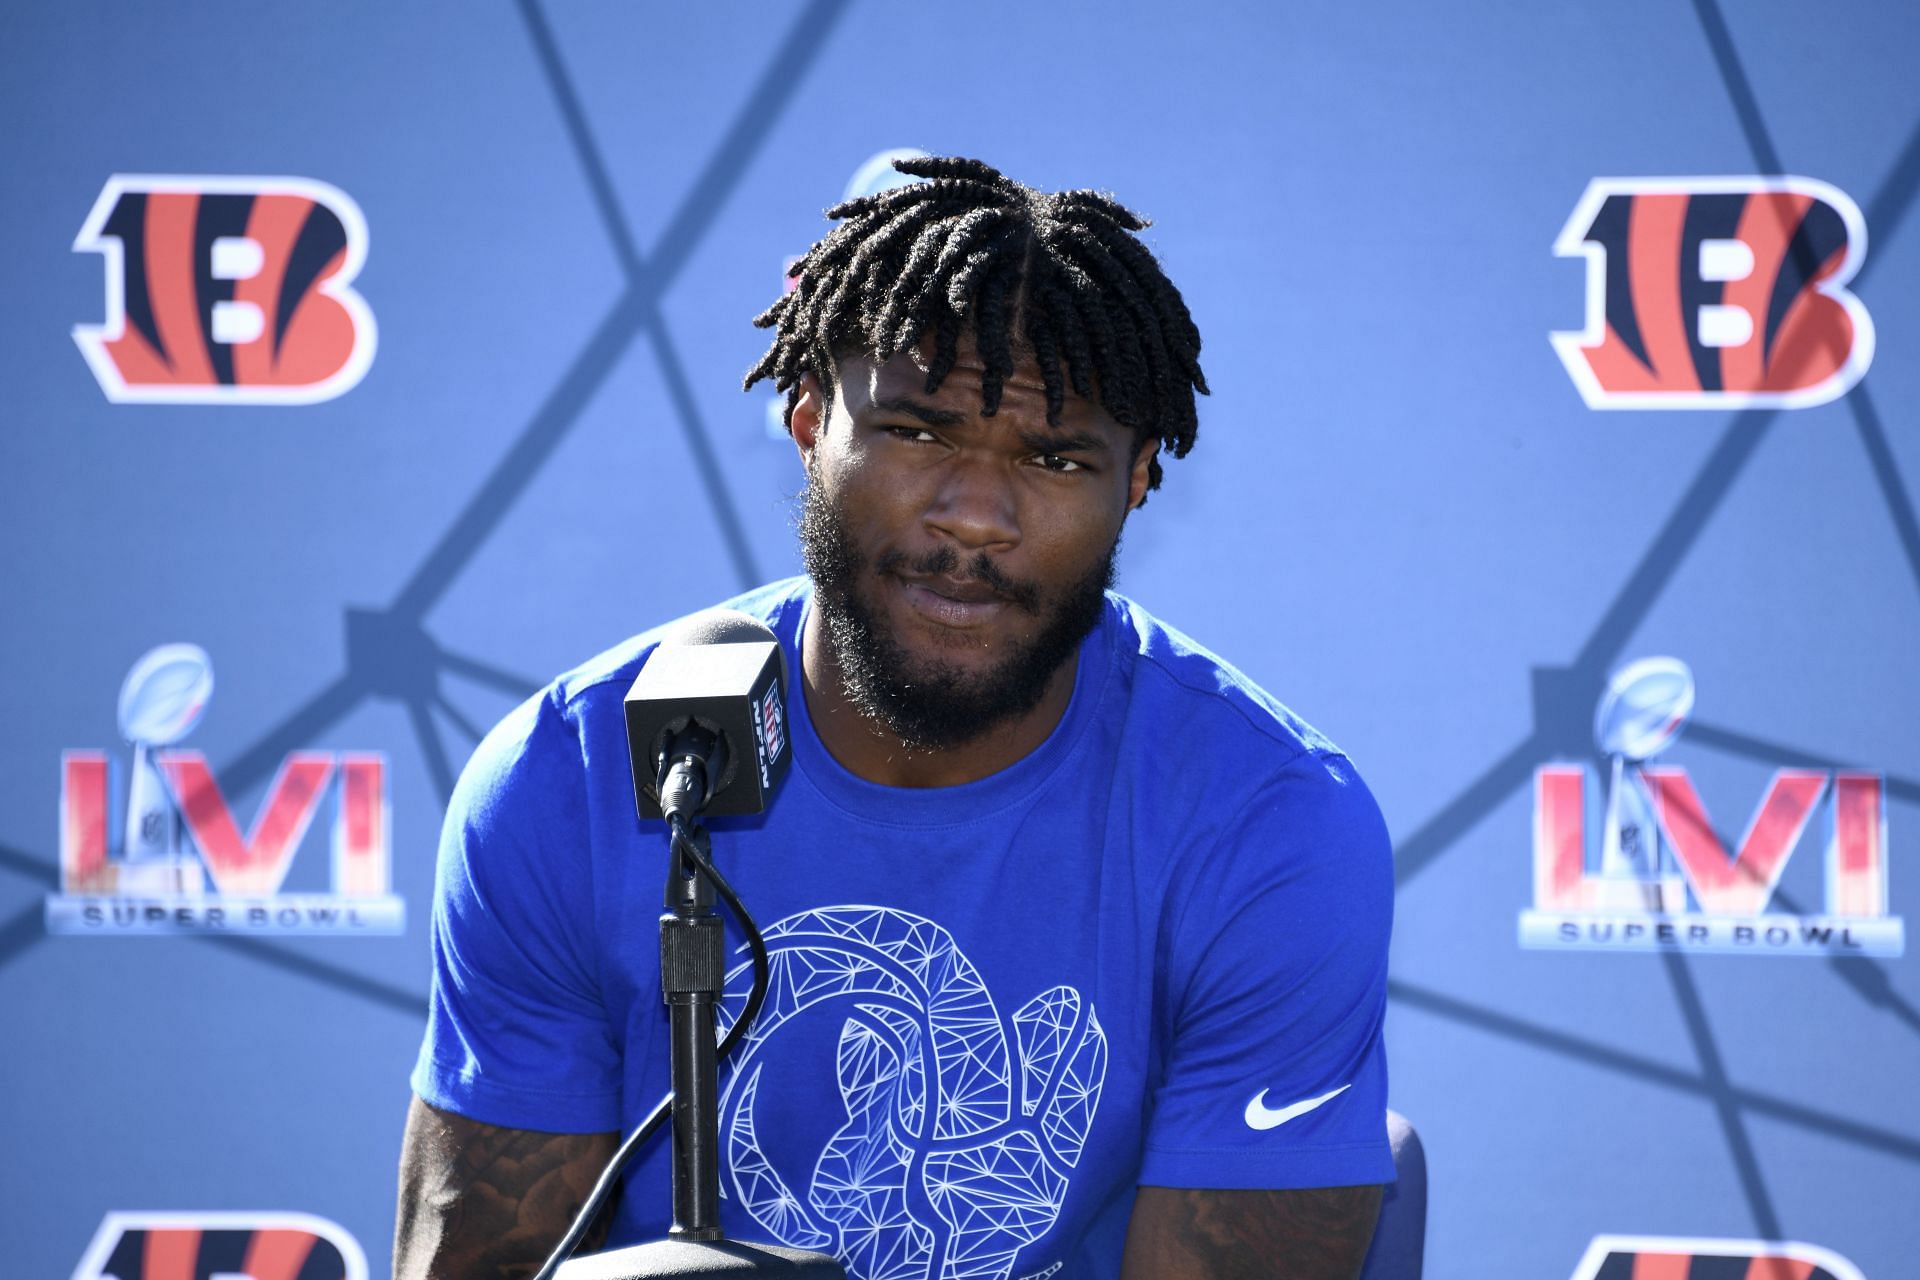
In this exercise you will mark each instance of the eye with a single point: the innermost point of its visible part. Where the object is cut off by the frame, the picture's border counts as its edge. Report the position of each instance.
(912, 435)
(1058, 464)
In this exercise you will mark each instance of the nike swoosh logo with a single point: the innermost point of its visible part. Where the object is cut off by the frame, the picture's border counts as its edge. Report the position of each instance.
(1261, 1116)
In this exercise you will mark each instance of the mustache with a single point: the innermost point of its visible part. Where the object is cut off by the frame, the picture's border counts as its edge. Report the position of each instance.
(945, 562)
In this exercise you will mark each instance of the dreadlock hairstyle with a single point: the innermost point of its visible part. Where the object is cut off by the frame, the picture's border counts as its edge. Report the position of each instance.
(1059, 274)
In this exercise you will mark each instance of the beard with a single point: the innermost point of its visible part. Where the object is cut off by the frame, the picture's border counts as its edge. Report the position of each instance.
(930, 705)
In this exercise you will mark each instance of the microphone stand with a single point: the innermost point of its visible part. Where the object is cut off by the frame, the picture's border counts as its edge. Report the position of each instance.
(693, 980)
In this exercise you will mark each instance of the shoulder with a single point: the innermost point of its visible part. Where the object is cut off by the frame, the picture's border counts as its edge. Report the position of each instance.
(544, 743)
(1266, 775)
(778, 604)
(1176, 679)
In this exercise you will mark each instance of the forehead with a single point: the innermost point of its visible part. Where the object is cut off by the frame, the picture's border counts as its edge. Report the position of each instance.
(1023, 393)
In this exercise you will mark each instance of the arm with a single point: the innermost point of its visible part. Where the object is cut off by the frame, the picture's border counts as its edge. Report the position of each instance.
(1269, 1133)
(1318, 1234)
(516, 1028)
(478, 1202)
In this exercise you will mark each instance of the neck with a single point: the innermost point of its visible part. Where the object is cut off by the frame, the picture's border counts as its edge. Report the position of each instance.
(867, 749)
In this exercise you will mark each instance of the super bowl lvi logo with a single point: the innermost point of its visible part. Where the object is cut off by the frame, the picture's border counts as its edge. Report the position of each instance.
(178, 862)
(1663, 879)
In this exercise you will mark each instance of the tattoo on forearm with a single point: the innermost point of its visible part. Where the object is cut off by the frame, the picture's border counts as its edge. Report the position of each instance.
(1252, 1235)
(479, 1202)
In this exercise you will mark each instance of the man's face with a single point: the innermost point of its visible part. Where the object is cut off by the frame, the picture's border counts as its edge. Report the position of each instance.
(958, 560)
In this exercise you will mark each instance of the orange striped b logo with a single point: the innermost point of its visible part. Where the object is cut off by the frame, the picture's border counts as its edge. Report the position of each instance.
(225, 290)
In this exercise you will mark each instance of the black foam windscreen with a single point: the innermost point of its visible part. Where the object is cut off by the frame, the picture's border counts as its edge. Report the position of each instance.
(725, 672)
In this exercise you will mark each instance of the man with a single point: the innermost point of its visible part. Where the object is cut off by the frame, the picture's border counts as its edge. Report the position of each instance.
(1079, 938)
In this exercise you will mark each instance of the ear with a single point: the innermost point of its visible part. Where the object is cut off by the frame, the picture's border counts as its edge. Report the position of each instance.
(1137, 479)
(808, 421)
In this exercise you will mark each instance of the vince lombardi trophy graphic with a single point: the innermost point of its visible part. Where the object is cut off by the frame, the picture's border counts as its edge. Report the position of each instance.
(160, 702)
(1642, 712)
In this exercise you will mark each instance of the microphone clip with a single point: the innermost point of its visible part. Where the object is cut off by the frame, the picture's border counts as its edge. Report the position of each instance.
(689, 770)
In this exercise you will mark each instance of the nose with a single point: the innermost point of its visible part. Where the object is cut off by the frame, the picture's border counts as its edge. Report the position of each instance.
(974, 505)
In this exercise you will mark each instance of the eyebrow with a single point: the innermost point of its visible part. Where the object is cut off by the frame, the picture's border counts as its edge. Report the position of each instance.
(925, 412)
(1038, 441)
(1063, 442)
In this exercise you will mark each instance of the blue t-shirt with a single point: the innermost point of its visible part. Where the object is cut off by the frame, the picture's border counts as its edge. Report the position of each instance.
(1152, 952)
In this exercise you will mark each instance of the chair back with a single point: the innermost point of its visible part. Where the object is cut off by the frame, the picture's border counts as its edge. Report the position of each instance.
(1399, 1245)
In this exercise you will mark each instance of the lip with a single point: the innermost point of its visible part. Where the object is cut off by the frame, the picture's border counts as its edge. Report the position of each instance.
(951, 603)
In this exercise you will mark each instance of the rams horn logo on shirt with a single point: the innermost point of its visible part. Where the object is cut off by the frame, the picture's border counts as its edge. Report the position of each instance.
(1665, 1258)
(960, 1128)
(1714, 293)
(227, 290)
(181, 1246)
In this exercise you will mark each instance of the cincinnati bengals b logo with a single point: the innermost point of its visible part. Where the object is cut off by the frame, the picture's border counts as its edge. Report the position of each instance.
(237, 1246)
(227, 290)
(1712, 293)
(1668, 1258)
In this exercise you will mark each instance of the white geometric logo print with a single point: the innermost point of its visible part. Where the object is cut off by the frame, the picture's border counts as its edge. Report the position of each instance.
(960, 1138)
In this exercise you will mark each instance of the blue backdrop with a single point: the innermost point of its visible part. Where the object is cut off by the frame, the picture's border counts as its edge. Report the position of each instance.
(1401, 516)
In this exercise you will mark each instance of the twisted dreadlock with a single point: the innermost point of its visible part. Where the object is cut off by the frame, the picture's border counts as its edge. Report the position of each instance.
(1059, 274)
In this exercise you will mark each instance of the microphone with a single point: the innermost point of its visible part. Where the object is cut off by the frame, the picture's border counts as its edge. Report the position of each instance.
(706, 731)
(706, 719)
